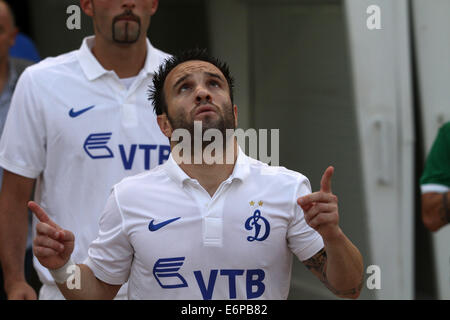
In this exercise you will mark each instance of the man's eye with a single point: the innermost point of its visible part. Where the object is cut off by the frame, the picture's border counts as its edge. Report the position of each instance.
(214, 83)
(184, 87)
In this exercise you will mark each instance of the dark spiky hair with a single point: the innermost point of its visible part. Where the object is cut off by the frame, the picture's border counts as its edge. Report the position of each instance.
(156, 93)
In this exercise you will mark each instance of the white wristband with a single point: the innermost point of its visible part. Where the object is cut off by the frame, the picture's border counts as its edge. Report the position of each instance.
(62, 274)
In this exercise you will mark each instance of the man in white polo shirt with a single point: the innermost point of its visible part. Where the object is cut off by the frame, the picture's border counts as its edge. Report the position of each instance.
(225, 230)
(78, 124)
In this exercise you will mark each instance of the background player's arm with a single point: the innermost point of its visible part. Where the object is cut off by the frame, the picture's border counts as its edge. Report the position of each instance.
(53, 247)
(339, 265)
(435, 210)
(435, 182)
(15, 192)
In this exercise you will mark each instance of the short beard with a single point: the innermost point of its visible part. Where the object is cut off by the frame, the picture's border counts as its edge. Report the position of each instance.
(221, 124)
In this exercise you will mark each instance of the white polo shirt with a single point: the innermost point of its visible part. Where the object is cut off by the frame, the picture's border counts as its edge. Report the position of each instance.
(74, 126)
(163, 233)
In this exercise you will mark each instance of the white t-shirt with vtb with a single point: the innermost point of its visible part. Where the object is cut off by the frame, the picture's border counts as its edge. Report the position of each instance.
(75, 127)
(163, 233)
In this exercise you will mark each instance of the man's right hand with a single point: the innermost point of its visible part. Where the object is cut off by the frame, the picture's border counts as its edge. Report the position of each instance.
(20, 290)
(52, 245)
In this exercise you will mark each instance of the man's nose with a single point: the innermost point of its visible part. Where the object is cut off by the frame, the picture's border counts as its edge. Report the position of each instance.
(202, 95)
(128, 4)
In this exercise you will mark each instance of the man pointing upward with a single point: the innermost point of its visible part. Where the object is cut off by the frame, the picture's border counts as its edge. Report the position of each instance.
(227, 230)
(321, 213)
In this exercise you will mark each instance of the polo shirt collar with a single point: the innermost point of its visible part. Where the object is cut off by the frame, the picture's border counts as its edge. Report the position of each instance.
(93, 69)
(242, 166)
(240, 172)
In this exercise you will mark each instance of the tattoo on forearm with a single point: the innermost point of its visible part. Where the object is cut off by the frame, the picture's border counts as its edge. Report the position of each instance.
(317, 264)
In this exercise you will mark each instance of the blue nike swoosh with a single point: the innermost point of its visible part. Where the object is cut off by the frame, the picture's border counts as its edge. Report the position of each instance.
(74, 113)
(154, 227)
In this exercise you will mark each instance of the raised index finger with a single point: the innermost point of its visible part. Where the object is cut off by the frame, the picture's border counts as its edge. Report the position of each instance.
(41, 214)
(325, 183)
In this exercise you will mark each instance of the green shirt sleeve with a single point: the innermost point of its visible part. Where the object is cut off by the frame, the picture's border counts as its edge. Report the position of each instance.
(437, 166)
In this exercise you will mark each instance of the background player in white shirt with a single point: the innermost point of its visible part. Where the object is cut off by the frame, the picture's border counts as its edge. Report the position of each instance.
(191, 231)
(78, 125)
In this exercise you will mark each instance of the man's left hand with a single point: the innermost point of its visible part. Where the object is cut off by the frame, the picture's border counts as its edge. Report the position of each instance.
(321, 209)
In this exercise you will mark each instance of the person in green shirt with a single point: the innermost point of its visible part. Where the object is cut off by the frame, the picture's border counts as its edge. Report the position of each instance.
(435, 182)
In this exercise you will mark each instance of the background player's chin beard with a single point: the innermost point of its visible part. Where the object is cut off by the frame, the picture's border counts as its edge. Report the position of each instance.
(127, 39)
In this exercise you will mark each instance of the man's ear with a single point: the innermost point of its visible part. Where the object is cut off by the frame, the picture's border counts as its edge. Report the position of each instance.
(155, 6)
(235, 116)
(164, 125)
(86, 6)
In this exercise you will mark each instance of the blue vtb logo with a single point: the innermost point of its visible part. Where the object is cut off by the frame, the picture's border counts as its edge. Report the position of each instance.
(96, 147)
(167, 271)
(253, 223)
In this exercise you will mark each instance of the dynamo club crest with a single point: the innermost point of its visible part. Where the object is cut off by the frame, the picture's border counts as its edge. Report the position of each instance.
(259, 225)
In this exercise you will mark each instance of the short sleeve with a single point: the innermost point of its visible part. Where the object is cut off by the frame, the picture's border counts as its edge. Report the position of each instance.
(111, 254)
(23, 141)
(303, 240)
(436, 175)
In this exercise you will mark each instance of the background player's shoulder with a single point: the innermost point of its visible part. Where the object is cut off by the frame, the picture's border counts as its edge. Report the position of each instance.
(55, 62)
(52, 68)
